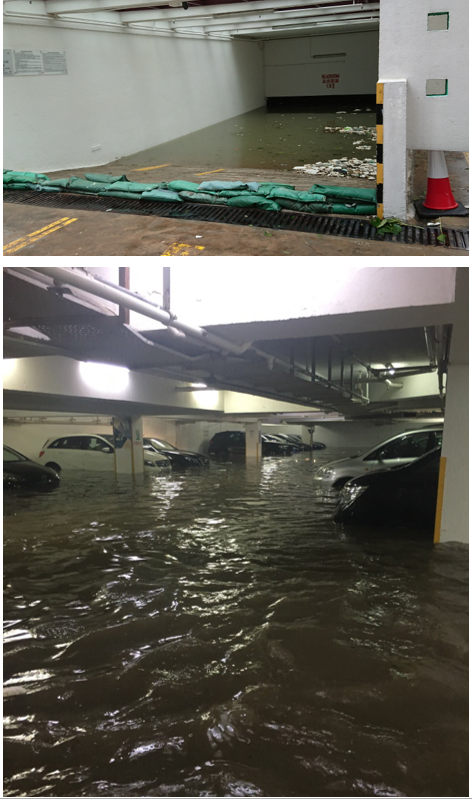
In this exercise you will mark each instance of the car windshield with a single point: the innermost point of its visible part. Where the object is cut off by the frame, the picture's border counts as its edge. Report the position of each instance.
(12, 455)
(108, 437)
(160, 444)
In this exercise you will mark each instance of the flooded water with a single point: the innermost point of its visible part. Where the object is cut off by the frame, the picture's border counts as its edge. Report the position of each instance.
(265, 140)
(215, 634)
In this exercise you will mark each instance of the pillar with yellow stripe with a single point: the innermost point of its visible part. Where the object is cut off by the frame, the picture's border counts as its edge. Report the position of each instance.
(380, 139)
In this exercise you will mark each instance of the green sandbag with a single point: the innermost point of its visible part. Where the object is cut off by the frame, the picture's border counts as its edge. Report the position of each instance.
(266, 188)
(236, 193)
(253, 201)
(62, 183)
(20, 186)
(91, 176)
(201, 197)
(218, 186)
(23, 177)
(183, 186)
(347, 192)
(310, 208)
(91, 187)
(298, 197)
(129, 186)
(359, 208)
(162, 196)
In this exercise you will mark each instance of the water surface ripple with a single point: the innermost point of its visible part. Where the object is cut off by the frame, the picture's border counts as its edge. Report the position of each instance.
(215, 634)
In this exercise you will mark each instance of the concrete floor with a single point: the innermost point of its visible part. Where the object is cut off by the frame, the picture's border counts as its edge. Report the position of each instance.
(89, 233)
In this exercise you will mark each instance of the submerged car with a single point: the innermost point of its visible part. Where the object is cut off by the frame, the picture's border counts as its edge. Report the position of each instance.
(397, 451)
(179, 459)
(94, 452)
(231, 443)
(19, 472)
(404, 494)
(297, 441)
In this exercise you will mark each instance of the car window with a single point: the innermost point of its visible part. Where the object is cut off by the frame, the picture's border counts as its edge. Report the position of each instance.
(12, 455)
(67, 443)
(162, 445)
(95, 444)
(408, 446)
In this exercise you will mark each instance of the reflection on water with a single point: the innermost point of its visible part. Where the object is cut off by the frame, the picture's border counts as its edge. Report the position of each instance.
(263, 140)
(214, 634)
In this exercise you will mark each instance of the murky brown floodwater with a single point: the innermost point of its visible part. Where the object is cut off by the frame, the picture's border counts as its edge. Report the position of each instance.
(263, 140)
(214, 634)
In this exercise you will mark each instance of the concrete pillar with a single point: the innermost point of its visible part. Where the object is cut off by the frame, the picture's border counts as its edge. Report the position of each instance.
(253, 441)
(128, 436)
(452, 520)
(395, 156)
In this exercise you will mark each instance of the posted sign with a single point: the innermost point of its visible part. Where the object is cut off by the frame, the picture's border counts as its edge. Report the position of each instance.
(330, 79)
(34, 62)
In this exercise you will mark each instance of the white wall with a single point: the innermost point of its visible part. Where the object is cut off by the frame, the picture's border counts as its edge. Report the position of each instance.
(291, 71)
(455, 511)
(125, 92)
(408, 50)
(361, 435)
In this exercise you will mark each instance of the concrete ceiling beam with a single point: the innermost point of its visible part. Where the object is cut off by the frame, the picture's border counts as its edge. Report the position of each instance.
(275, 22)
(92, 6)
(259, 16)
(205, 11)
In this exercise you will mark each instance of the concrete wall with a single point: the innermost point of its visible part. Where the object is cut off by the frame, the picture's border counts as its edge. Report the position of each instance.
(361, 435)
(295, 67)
(455, 449)
(408, 50)
(123, 92)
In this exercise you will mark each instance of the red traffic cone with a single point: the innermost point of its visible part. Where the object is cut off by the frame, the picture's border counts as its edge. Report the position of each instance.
(439, 198)
(439, 194)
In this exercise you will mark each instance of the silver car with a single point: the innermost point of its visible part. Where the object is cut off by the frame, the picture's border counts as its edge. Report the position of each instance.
(399, 450)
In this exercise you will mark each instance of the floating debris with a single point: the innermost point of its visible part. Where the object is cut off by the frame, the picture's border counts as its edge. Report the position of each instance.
(352, 168)
(366, 130)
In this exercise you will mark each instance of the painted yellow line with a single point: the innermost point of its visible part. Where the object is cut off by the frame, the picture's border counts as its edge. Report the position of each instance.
(439, 502)
(178, 249)
(143, 169)
(380, 134)
(380, 210)
(52, 225)
(379, 93)
(209, 173)
(19, 243)
(466, 157)
(380, 173)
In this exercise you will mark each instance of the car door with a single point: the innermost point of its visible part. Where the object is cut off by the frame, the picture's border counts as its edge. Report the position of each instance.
(98, 454)
(66, 452)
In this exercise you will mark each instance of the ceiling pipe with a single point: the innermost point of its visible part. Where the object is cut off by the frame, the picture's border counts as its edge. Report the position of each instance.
(140, 305)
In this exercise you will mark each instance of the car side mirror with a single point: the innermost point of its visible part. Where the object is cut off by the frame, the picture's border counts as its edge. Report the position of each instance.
(107, 450)
(381, 455)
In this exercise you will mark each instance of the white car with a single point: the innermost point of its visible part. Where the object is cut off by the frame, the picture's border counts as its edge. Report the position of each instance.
(394, 452)
(92, 452)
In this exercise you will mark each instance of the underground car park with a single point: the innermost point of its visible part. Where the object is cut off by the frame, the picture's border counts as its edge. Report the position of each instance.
(229, 624)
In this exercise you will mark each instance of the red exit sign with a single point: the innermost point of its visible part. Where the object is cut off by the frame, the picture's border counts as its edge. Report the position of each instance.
(330, 80)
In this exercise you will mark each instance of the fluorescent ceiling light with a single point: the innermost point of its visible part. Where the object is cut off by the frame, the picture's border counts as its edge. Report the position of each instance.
(104, 377)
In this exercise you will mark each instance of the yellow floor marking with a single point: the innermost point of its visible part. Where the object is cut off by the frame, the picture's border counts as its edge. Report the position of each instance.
(52, 225)
(209, 173)
(466, 157)
(12, 247)
(143, 169)
(178, 249)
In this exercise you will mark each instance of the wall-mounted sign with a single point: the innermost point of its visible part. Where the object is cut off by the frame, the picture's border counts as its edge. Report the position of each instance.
(34, 62)
(330, 79)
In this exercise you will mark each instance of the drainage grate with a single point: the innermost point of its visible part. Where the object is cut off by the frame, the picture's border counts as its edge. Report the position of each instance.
(280, 220)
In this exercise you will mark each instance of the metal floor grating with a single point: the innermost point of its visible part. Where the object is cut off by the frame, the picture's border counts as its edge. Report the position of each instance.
(354, 228)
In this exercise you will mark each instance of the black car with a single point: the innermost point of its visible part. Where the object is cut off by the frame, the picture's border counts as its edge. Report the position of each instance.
(296, 440)
(21, 473)
(230, 443)
(179, 459)
(402, 495)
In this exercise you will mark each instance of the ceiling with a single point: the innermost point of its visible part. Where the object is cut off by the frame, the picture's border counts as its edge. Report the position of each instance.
(330, 373)
(250, 19)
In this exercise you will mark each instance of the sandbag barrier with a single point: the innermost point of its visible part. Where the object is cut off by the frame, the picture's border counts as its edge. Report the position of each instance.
(234, 194)
(345, 227)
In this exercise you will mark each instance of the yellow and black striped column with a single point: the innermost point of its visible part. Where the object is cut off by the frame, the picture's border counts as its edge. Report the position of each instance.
(379, 121)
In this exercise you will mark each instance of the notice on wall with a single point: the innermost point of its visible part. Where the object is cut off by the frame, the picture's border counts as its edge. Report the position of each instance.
(34, 62)
(330, 79)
